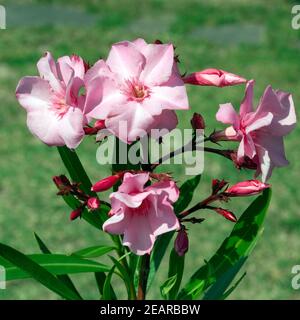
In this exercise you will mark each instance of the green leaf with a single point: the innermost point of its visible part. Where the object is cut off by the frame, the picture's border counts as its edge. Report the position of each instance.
(100, 280)
(237, 246)
(107, 292)
(64, 278)
(217, 290)
(186, 193)
(161, 244)
(93, 252)
(33, 270)
(167, 286)
(57, 264)
(176, 267)
(229, 291)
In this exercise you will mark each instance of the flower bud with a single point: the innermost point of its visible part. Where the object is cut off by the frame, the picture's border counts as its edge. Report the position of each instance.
(76, 213)
(213, 77)
(93, 203)
(61, 181)
(218, 185)
(99, 125)
(181, 244)
(226, 214)
(106, 183)
(197, 121)
(247, 188)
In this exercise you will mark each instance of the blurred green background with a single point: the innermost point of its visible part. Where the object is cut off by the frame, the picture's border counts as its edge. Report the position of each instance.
(250, 38)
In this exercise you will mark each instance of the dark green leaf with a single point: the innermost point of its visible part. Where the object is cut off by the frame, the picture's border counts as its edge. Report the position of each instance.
(64, 278)
(186, 193)
(93, 252)
(35, 271)
(167, 286)
(237, 246)
(107, 292)
(100, 279)
(176, 267)
(57, 264)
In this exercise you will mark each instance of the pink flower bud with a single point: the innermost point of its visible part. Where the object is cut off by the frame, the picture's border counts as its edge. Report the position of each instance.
(226, 214)
(99, 125)
(76, 213)
(181, 244)
(247, 188)
(93, 203)
(61, 181)
(213, 77)
(197, 121)
(106, 183)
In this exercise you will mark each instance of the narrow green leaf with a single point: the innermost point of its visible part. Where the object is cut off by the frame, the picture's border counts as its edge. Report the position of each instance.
(100, 280)
(216, 291)
(93, 252)
(35, 271)
(229, 291)
(107, 292)
(124, 275)
(176, 267)
(186, 193)
(167, 286)
(237, 246)
(57, 264)
(64, 277)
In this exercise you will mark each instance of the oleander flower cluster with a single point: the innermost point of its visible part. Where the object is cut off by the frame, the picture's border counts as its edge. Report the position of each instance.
(138, 88)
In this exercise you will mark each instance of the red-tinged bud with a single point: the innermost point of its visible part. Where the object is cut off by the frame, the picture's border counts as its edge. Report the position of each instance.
(247, 188)
(197, 121)
(213, 77)
(218, 185)
(226, 214)
(76, 213)
(181, 244)
(106, 183)
(93, 203)
(160, 176)
(61, 181)
(157, 41)
(99, 125)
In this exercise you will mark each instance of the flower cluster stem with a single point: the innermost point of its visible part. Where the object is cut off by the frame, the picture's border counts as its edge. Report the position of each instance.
(143, 276)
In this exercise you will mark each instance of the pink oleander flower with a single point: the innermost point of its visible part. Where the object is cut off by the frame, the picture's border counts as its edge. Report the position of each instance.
(52, 100)
(142, 213)
(260, 132)
(213, 77)
(136, 89)
(247, 188)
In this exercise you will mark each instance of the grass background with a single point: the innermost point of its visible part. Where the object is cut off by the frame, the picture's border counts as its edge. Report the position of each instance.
(251, 38)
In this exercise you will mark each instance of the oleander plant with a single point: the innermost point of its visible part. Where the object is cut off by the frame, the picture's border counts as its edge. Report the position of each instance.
(132, 95)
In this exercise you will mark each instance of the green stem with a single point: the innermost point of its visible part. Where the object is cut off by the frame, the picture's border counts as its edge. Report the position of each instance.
(143, 276)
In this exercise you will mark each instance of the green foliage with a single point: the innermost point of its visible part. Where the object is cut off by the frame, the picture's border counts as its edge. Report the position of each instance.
(233, 251)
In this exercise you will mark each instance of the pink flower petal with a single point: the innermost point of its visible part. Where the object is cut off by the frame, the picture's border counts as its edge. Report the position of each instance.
(247, 103)
(125, 59)
(159, 64)
(227, 115)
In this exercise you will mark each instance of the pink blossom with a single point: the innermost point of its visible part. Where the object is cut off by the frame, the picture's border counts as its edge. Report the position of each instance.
(142, 213)
(213, 77)
(52, 101)
(139, 84)
(260, 132)
(247, 188)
